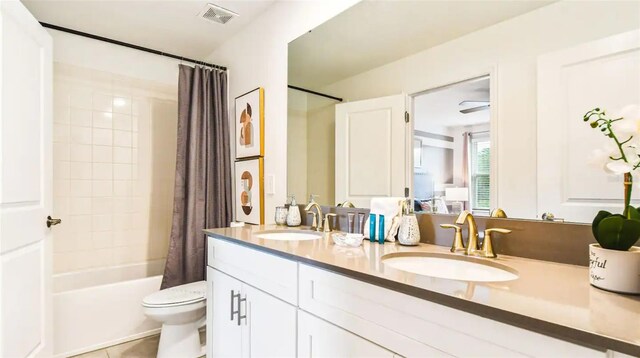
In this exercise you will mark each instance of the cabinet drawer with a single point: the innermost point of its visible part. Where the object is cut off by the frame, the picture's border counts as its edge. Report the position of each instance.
(318, 338)
(269, 273)
(415, 327)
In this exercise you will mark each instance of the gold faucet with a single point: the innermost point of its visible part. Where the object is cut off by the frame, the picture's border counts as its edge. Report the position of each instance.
(326, 224)
(498, 213)
(346, 204)
(472, 245)
(458, 244)
(317, 222)
(487, 244)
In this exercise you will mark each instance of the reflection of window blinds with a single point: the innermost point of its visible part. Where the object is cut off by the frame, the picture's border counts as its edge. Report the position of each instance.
(480, 172)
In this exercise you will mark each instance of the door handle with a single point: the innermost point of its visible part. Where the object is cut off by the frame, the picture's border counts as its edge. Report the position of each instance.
(235, 296)
(51, 221)
(550, 217)
(240, 315)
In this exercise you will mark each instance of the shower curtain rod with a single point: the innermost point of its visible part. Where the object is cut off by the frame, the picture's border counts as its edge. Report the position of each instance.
(316, 93)
(126, 44)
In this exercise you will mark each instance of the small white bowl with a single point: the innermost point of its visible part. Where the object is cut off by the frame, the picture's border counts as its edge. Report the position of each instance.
(347, 240)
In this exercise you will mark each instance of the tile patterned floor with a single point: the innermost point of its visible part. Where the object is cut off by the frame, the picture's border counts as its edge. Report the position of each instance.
(140, 348)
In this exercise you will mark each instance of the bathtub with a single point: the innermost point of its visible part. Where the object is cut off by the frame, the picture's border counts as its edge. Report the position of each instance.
(97, 308)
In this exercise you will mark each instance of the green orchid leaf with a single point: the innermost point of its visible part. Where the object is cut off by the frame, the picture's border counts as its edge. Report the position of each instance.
(630, 234)
(594, 226)
(617, 233)
(634, 213)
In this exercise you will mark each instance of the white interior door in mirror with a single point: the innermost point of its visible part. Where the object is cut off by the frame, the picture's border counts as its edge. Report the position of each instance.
(371, 149)
(605, 74)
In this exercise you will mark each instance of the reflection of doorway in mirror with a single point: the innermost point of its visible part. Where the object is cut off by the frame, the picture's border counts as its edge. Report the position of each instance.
(452, 125)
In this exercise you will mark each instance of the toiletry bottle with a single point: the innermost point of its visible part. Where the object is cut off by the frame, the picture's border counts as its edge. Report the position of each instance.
(351, 217)
(360, 223)
(293, 216)
(381, 232)
(372, 227)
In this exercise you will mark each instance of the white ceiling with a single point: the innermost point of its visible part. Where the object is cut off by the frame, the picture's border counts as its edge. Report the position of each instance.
(441, 107)
(373, 33)
(169, 26)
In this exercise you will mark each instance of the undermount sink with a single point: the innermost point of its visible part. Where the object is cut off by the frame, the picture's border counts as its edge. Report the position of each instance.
(288, 235)
(450, 267)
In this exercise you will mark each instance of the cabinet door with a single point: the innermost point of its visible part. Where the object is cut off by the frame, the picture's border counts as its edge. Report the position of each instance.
(270, 326)
(224, 335)
(318, 338)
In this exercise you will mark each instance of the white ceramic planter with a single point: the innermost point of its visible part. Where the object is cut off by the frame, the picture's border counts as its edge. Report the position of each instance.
(613, 270)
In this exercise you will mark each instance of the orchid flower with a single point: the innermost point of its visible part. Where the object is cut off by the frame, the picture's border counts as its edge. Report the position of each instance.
(621, 156)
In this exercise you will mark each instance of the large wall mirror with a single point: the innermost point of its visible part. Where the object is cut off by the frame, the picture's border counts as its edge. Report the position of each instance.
(472, 105)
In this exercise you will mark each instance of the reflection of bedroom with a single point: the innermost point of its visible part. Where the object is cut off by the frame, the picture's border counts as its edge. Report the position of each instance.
(451, 148)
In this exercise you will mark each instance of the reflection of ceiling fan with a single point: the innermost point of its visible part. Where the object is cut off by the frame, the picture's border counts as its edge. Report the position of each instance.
(476, 106)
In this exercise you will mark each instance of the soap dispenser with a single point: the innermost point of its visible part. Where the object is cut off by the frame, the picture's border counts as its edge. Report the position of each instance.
(293, 216)
(409, 233)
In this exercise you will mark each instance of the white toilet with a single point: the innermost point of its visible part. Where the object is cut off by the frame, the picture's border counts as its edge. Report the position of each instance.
(182, 310)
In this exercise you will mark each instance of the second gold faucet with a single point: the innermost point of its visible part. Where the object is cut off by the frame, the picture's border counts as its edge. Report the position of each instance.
(472, 245)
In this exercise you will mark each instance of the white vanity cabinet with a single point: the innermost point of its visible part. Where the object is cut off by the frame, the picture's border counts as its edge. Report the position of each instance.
(243, 321)
(252, 311)
(266, 305)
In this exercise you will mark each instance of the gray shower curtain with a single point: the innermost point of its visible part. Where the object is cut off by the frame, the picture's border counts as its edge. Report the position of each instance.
(202, 193)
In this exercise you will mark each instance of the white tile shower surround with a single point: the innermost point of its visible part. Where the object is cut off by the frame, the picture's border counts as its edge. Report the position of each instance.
(113, 169)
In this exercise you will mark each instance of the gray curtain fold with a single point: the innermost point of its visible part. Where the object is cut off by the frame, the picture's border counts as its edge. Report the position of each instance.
(202, 193)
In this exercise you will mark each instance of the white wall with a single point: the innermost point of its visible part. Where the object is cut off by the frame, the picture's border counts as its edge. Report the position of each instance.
(321, 142)
(297, 145)
(258, 57)
(509, 50)
(102, 56)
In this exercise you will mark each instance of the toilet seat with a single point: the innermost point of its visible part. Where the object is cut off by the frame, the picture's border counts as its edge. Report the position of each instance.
(177, 296)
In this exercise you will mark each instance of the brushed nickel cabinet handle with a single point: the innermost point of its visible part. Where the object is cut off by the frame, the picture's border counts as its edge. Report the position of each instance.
(51, 221)
(240, 315)
(234, 296)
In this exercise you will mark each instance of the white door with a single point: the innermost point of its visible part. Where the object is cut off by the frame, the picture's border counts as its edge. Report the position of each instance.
(371, 150)
(224, 333)
(318, 338)
(270, 327)
(25, 184)
(605, 74)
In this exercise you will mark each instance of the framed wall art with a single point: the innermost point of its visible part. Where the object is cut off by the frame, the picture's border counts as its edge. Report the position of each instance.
(249, 137)
(249, 182)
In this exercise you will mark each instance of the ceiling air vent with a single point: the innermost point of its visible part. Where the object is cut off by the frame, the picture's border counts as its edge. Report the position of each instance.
(217, 14)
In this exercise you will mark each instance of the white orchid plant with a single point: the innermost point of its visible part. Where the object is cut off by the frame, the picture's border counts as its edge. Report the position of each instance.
(621, 156)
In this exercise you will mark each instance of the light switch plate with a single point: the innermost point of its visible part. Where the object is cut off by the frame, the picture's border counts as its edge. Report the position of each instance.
(269, 185)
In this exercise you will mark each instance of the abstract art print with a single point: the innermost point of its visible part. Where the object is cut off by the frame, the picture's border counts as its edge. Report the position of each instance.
(249, 200)
(250, 124)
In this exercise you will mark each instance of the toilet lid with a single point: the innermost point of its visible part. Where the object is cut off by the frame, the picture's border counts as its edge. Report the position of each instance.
(183, 294)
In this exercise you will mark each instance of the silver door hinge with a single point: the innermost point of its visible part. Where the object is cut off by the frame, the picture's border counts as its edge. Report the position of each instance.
(406, 117)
